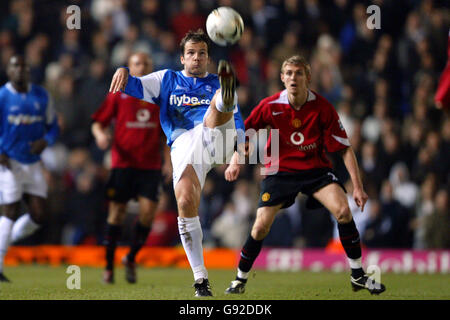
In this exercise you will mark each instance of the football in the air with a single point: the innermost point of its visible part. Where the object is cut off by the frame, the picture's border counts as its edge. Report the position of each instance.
(224, 26)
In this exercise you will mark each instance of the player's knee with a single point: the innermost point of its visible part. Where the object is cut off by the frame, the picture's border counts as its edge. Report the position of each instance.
(186, 204)
(260, 231)
(343, 214)
(116, 214)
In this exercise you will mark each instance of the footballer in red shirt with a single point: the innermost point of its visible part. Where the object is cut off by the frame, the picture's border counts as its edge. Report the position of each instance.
(308, 127)
(136, 164)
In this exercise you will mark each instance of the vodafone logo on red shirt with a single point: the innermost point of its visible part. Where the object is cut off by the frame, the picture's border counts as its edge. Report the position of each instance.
(297, 138)
(143, 115)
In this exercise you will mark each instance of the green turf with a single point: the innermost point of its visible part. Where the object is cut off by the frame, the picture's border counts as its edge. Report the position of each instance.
(45, 282)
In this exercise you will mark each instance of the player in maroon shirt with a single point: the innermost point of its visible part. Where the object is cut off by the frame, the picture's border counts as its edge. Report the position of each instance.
(136, 164)
(308, 126)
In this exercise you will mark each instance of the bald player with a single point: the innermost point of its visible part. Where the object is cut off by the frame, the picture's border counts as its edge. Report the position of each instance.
(140, 158)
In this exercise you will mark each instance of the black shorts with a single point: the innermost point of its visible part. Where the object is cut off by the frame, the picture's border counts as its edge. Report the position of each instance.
(127, 183)
(284, 187)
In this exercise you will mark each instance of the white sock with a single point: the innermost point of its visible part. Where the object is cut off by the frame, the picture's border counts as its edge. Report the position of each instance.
(242, 274)
(23, 227)
(6, 226)
(191, 235)
(355, 263)
(221, 107)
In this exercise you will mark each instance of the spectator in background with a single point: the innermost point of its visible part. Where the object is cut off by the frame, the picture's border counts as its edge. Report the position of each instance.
(116, 11)
(188, 18)
(166, 54)
(130, 43)
(371, 164)
(437, 224)
(405, 191)
(371, 126)
(69, 113)
(92, 91)
(424, 208)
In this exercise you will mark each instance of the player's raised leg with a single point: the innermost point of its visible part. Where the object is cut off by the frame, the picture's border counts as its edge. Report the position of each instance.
(141, 229)
(252, 247)
(332, 196)
(187, 194)
(225, 99)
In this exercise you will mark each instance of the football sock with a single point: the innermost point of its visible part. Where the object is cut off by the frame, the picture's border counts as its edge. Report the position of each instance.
(242, 276)
(249, 253)
(138, 238)
(6, 226)
(349, 236)
(191, 235)
(221, 107)
(23, 227)
(112, 235)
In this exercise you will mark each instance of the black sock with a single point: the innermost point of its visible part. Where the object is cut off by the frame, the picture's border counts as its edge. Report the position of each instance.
(349, 235)
(249, 253)
(138, 239)
(112, 235)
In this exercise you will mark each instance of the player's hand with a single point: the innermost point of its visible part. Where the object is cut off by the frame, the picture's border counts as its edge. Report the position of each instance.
(232, 172)
(103, 140)
(36, 147)
(4, 161)
(119, 80)
(360, 198)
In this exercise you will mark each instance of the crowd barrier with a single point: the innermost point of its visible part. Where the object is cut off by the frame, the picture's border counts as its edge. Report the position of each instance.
(272, 259)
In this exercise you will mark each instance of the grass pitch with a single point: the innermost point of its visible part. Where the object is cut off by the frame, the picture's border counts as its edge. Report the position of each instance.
(37, 282)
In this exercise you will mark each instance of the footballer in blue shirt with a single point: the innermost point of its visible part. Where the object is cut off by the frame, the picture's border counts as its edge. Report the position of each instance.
(201, 120)
(28, 125)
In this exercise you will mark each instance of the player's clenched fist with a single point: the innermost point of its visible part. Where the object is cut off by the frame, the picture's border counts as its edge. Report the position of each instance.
(119, 80)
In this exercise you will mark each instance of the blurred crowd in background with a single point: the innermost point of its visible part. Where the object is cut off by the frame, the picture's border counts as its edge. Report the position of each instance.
(381, 82)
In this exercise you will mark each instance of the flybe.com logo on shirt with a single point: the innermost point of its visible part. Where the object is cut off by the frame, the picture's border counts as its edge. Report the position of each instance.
(24, 119)
(185, 100)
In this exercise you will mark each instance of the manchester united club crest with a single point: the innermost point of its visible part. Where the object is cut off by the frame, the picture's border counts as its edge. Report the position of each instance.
(265, 197)
(296, 123)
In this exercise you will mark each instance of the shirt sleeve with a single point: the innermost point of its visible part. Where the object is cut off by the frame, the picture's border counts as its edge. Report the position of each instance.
(146, 88)
(258, 118)
(107, 111)
(335, 137)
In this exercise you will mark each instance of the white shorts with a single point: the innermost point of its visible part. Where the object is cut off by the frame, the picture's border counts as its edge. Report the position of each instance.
(203, 148)
(21, 179)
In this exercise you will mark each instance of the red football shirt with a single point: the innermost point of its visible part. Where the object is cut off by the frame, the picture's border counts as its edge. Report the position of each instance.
(137, 131)
(304, 135)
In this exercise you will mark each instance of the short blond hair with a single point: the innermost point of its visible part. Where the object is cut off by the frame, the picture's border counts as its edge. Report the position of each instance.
(297, 60)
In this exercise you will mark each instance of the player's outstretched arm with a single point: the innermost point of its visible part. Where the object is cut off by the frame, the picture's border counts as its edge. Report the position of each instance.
(359, 195)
